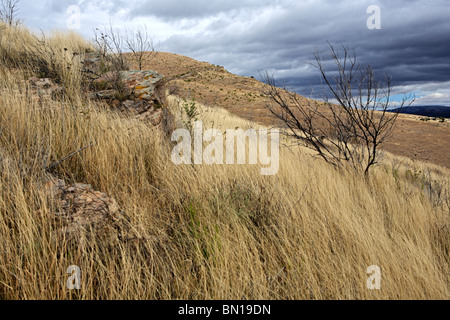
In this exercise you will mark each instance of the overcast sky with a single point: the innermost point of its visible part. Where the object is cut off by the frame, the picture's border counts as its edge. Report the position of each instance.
(252, 36)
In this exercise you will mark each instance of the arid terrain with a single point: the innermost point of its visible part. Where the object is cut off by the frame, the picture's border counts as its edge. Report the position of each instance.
(93, 207)
(213, 86)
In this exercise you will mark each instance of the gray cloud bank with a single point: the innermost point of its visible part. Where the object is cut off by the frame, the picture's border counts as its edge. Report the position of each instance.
(250, 36)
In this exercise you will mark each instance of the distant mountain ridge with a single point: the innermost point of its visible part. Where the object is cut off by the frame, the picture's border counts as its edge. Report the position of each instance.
(427, 111)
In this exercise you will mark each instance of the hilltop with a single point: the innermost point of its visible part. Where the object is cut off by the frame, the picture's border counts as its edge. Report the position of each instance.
(213, 86)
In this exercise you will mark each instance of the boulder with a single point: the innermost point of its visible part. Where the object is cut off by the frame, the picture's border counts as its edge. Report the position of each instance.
(143, 94)
(143, 110)
(145, 85)
(80, 212)
(136, 93)
(93, 64)
(139, 85)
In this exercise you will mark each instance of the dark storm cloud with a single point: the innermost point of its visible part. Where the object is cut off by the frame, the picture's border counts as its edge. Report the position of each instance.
(251, 36)
(412, 46)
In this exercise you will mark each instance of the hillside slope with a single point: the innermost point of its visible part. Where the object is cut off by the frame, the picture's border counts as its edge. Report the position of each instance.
(213, 86)
(147, 228)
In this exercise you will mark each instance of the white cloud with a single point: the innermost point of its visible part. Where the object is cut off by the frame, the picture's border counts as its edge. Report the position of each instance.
(430, 93)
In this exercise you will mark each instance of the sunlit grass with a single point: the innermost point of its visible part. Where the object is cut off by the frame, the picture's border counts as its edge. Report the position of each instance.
(209, 232)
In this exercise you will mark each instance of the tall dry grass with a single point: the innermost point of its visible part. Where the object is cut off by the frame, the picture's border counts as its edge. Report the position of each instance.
(209, 232)
(56, 56)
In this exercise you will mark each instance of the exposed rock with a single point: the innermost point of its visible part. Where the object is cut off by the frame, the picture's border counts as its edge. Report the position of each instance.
(93, 64)
(140, 85)
(155, 118)
(45, 88)
(81, 212)
(143, 110)
(104, 94)
(144, 92)
(146, 85)
(136, 93)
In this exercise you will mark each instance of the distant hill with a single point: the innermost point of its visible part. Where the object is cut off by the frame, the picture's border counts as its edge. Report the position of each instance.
(427, 111)
(213, 86)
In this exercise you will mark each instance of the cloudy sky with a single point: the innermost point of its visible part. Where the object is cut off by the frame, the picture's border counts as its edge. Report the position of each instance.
(252, 36)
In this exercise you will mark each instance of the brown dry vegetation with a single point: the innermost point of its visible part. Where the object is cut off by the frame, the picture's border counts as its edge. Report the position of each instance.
(214, 86)
(208, 232)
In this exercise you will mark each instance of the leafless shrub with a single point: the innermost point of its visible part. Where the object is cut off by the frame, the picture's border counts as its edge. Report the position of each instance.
(349, 132)
(110, 44)
(140, 44)
(8, 12)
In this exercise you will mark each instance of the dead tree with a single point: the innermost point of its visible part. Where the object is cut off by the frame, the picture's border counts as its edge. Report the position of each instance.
(8, 12)
(350, 127)
(140, 44)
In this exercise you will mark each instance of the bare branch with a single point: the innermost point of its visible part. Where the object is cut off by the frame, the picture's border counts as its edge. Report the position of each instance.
(57, 163)
(140, 44)
(349, 132)
(8, 12)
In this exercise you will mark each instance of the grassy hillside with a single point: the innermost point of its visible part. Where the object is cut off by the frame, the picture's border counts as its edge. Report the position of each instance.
(212, 85)
(201, 232)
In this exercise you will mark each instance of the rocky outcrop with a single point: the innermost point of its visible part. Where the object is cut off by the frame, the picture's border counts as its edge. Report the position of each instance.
(81, 213)
(138, 94)
(93, 64)
(145, 85)
(143, 110)
(135, 93)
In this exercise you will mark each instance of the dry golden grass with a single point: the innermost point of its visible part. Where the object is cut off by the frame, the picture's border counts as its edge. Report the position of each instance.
(57, 56)
(210, 232)
(214, 86)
